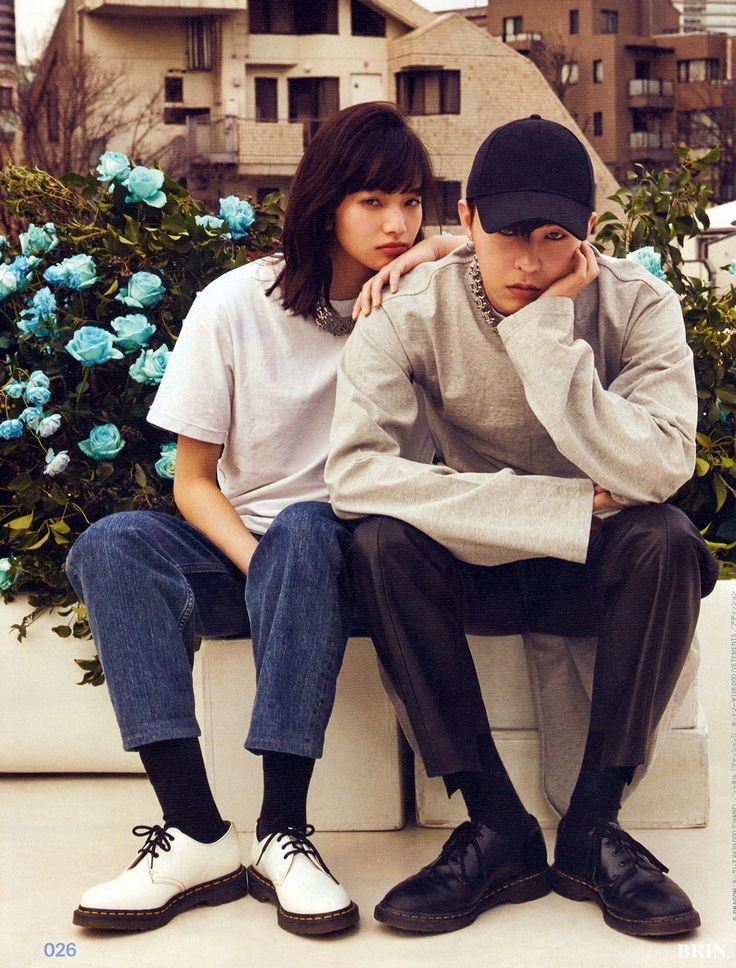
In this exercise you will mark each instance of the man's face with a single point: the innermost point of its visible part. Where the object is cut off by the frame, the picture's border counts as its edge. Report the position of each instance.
(516, 269)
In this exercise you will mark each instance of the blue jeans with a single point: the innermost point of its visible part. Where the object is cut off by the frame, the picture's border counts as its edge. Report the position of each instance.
(152, 583)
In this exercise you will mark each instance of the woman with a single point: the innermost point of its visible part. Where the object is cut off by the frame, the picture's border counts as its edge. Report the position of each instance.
(250, 393)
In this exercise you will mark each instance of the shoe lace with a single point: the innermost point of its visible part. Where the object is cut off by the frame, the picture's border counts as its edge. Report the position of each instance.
(295, 840)
(623, 842)
(456, 849)
(157, 838)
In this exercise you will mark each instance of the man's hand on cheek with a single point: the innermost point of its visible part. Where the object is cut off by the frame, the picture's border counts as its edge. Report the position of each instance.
(583, 271)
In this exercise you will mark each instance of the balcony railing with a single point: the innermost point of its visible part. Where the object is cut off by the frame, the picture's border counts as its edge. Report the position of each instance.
(212, 141)
(656, 140)
(528, 37)
(653, 87)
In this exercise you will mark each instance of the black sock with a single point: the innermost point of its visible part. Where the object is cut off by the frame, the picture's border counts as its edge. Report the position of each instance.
(597, 793)
(490, 795)
(176, 770)
(286, 779)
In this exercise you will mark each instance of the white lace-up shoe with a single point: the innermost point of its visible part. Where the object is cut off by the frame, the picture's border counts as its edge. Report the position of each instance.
(287, 870)
(172, 873)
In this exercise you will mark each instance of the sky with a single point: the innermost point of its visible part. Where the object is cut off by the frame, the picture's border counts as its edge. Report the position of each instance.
(34, 19)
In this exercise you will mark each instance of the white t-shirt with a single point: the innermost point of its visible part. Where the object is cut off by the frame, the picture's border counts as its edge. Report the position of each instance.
(249, 375)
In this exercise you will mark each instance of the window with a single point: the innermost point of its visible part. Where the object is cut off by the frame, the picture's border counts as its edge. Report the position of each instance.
(52, 114)
(597, 71)
(174, 89)
(697, 129)
(292, 16)
(512, 26)
(180, 115)
(574, 21)
(598, 123)
(365, 22)
(6, 98)
(570, 73)
(704, 69)
(609, 21)
(202, 37)
(267, 99)
(312, 100)
(428, 92)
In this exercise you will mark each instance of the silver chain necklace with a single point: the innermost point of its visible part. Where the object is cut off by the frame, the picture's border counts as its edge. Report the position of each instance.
(327, 319)
(490, 315)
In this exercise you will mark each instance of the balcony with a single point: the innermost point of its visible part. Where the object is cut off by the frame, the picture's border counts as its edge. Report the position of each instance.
(212, 141)
(532, 37)
(656, 145)
(271, 148)
(651, 95)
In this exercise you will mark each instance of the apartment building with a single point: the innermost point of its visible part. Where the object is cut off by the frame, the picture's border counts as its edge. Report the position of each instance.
(707, 16)
(243, 86)
(9, 134)
(631, 81)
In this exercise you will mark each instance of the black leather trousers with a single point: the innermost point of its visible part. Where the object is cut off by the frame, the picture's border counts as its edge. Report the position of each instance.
(639, 591)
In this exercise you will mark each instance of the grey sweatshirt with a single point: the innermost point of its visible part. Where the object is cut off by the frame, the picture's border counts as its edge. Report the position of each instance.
(525, 420)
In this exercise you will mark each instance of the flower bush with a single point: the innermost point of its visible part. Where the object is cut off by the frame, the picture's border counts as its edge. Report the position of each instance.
(92, 295)
(658, 213)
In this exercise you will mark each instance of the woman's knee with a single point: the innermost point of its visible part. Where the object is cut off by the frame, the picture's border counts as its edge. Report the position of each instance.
(105, 538)
(308, 524)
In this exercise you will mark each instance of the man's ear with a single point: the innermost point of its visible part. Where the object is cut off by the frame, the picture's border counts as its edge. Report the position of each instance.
(466, 218)
(592, 221)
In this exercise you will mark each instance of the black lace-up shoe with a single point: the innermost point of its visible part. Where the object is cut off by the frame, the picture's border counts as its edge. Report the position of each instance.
(477, 869)
(606, 865)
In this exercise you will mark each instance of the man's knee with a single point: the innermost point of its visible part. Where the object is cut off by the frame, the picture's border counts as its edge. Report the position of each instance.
(102, 539)
(381, 542)
(306, 527)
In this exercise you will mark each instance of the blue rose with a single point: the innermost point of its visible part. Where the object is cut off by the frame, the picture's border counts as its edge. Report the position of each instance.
(144, 185)
(133, 331)
(144, 290)
(113, 166)
(39, 239)
(166, 463)
(15, 388)
(56, 463)
(49, 425)
(39, 317)
(33, 326)
(150, 366)
(92, 345)
(732, 268)
(39, 379)
(43, 304)
(11, 429)
(32, 417)
(238, 214)
(103, 443)
(11, 280)
(7, 579)
(209, 221)
(37, 396)
(77, 272)
(649, 259)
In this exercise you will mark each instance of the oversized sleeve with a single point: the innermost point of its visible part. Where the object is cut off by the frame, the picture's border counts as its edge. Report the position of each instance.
(195, 394)
(637, 436)
(484, 518)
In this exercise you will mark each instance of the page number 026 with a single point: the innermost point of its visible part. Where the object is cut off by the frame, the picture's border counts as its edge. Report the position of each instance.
(59, 949)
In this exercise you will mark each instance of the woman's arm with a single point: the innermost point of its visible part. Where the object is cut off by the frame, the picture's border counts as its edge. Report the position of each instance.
(428, 250)
(204, 505)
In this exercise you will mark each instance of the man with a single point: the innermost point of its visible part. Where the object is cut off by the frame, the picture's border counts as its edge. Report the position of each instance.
(560, 393)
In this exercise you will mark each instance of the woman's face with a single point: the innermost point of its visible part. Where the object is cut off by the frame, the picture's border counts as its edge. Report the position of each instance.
(371, 229)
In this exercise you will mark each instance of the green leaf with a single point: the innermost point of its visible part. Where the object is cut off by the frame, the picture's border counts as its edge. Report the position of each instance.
(721, 491)
(140, 476)
(701, 467)
(20, 524)
(63, 631)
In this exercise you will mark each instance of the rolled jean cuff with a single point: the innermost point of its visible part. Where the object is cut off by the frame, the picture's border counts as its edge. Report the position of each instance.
(156, 732)
(297, 745)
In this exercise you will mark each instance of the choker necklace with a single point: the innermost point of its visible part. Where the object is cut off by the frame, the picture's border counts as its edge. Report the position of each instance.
(490, 315)
(327, 319)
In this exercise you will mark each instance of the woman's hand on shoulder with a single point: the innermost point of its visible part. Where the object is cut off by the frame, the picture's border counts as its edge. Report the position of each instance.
(428, 250)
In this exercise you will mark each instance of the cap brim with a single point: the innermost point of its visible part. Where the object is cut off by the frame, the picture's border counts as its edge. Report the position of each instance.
(497, 212)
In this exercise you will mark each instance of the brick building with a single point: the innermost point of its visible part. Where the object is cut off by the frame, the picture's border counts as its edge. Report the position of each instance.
(631, 81)
(244, 87)
(9, 133)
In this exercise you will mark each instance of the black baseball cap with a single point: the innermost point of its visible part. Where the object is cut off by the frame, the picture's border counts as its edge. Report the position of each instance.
(532, 169)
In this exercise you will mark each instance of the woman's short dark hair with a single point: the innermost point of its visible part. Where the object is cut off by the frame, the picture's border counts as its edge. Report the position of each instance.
(365, 147)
